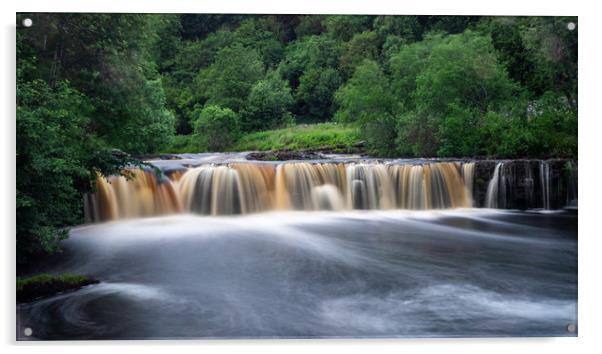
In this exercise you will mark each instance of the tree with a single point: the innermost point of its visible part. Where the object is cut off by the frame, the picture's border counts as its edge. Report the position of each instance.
(448, 84)
(366, 96)
(309, 25)
(86, 83)
(57, 160)
(315, 94)
(365, 45)
(553, 49)
(198, 26)
(228, 81)
(343, 27)
(407, 28)
(309, 52)
(366, 100)
(216, 128)
(50, 133)
(168, 41)
(268, 104)
(552, 126)
(256, 34)
(110, 58)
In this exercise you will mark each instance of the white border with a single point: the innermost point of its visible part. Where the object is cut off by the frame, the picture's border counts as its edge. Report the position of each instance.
(589, 173)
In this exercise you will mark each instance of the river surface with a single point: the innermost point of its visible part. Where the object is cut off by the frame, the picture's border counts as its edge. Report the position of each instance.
(296, 274)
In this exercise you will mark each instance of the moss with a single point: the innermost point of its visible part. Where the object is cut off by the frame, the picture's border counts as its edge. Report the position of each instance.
(43, 285)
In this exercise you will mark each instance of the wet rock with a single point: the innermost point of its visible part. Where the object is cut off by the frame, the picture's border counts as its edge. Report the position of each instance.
(525, 184)
(284, 155)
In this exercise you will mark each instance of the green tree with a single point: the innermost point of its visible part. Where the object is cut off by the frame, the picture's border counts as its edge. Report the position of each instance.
(365, 45)
(194, 56)
(51, 141)
(216, 128)
(343, 27)
(310, 52)
(552, 126)
(449, 84)
(553, 50)
(228, 81)
(315, 94)
(110, 58)
(168, 41)
(407, 28)
(309, 25)
(366, 100)
(268, 104)
(257, 34)
(57, 160)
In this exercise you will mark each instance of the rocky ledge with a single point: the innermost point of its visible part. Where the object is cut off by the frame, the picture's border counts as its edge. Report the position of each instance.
(284, 155)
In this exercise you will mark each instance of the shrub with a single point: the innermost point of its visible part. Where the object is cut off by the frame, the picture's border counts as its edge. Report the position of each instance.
(216, 128)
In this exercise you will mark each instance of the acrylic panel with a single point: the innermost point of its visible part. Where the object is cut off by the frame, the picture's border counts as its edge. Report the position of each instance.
(196, 176)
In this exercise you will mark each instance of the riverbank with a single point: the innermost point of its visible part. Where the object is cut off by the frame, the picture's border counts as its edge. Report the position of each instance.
(45, 285)
(332, 137)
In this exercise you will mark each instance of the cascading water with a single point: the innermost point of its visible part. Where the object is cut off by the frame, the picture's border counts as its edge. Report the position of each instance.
(241, 188)
(237, 187)
(544, 176)
(140, 193)
(493, 188)
(468, 177)
(373, 273)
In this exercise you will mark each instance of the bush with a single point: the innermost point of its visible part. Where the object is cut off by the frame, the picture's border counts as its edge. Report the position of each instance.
(553, 126)
(267, 105)
(366, 100)
(216, 128)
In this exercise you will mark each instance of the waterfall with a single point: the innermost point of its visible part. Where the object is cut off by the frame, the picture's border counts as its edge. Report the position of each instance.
(493, 188)
(468, 176)
(140, 193)
(544, 177)
(529, 186)
(372, 188)
(571, 177)
(242, 188)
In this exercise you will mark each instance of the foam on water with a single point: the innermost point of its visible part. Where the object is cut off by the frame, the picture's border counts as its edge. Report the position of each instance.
(317, 274)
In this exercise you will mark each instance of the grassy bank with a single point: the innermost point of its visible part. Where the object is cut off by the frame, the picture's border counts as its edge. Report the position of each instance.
(299, 137)
(43, 285)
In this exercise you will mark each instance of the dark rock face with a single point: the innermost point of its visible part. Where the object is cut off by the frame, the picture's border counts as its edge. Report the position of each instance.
(524, 184)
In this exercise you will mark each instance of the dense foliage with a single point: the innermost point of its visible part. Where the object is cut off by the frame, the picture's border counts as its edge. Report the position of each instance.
(408, 85)
(412, 85)
(216, 128)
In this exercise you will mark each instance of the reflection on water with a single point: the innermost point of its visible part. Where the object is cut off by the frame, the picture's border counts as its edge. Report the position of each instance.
(323, 274)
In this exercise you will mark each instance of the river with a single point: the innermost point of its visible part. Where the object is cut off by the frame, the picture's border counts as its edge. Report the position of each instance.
(360, 269)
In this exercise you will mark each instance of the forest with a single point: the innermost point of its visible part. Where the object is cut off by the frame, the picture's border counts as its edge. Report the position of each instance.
(95, 92)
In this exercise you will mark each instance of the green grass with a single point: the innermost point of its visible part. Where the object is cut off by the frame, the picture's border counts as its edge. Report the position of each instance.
(43, 285)
(300, 137)
(181, 144)
(338, 137)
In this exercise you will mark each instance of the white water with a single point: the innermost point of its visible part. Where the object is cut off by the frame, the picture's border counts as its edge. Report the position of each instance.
(465, 272)
(493, 188)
